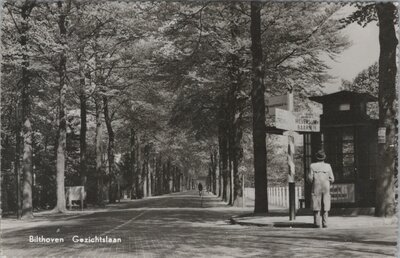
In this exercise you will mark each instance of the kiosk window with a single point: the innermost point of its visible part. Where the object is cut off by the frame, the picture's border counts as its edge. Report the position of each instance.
(344, 107)
(348, 154)
(340, 150)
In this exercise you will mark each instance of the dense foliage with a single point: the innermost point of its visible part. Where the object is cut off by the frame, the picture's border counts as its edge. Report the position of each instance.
(150, 95)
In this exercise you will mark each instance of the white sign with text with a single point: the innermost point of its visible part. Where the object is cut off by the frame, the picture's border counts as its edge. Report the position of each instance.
(342, 193)
(307, 122)
(283, 102)
(284, 119)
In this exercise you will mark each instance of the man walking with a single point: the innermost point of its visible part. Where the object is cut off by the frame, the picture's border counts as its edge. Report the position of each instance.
(320, 177)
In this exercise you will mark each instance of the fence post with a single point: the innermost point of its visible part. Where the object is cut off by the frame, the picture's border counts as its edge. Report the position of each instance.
(274, 193)
(277, 196)
(286, 197)
(278, 203)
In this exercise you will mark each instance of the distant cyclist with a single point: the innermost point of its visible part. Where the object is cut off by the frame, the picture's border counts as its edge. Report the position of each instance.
(200, 187)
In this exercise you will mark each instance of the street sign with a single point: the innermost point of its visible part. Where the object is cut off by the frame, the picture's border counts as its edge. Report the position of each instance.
(284, 119)
(307, 122)
(284, 102)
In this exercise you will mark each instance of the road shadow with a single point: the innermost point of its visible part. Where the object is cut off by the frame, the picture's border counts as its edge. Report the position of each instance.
(293, 225)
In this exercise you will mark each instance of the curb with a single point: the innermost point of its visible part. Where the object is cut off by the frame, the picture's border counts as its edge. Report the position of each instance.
(235, 220)
(241, 223)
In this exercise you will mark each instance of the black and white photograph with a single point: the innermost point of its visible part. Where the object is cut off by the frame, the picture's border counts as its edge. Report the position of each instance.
(198, 129)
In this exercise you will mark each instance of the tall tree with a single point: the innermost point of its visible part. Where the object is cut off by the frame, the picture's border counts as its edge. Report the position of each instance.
(386, 14)
(258, 104)
(62, 118)
(385, 196)
(99, 152)
(27, 130)
(110, 151)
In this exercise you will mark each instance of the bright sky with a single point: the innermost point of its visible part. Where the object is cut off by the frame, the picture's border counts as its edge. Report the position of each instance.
(363, 52)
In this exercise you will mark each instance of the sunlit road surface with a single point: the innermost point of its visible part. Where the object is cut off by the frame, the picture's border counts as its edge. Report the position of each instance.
(176, 225)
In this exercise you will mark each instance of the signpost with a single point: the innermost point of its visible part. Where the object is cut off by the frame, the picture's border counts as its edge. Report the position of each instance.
(281, 107)
(291, 166)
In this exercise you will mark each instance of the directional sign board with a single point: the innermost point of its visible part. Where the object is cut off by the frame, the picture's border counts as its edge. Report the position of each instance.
(283, 102)
(279, 109)
(307, 122)
(284, 119)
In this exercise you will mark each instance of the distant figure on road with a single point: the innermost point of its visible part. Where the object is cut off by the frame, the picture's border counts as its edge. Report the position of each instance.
(200, 187)
(320, 177)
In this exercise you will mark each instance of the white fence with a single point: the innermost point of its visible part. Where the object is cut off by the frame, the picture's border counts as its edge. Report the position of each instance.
(249, 193)
(277, 196)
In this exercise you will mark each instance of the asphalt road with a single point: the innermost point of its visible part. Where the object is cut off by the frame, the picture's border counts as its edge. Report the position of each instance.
(177, 226)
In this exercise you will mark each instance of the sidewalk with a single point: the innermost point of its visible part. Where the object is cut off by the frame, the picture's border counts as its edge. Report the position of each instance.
(280, 218)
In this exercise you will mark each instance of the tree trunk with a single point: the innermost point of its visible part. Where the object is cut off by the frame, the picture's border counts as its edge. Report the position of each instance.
(17, 164)
(62, 134)
(82, 139)
(153, 179)
(99, 153)
(27, 170)
(83, 129)
(168, 177)
(219, 173)
(139, 169)
(229, 177)
(223, 148)
(133, 159)
(385, 194)
(164, 178)
(158, 178)
(235, 107)
(215, 176)
(145, 171)
(258, 106)
(26, 116)
(110, 153)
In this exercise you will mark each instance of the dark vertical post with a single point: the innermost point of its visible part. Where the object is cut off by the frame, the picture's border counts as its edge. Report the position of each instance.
(243, 195)
(292, 186)
(292, 171)
(307, 163)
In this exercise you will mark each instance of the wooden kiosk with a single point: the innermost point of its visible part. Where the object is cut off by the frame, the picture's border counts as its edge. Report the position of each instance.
(349, 137)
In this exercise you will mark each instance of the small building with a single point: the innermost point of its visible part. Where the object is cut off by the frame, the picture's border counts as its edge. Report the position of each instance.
(349, 137)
